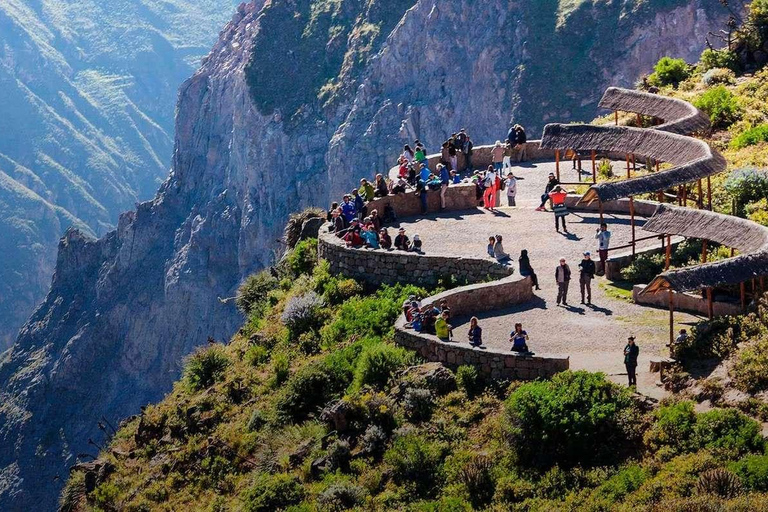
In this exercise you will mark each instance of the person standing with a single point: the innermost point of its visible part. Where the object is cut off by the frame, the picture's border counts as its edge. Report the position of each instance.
(603, 237)
(475, 333)
(558, 196)
(631, 351)
(563, 279)
(445, 180)
(551, 184)
(497, 153)
(586, 276)
(511, 186)
(489, 192)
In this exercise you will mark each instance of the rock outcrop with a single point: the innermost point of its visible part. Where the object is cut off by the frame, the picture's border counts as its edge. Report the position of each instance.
(296, 99)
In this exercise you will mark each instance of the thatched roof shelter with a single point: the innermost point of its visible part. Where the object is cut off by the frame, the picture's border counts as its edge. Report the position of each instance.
(750, 238)
(693, 159)
(679, 116)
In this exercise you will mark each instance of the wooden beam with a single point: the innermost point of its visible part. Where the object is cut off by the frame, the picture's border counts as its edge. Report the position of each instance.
(616, 117)
(594, 168)
(709, 194)
(703, 251)
(668, 255)
(557, 164)
(700, 198)
(628, 173)
(710, 305)
(632, 222)
(671, 317)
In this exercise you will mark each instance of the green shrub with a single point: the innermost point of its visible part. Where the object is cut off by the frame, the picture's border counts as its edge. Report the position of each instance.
(623, 483)
(303, 314)
(750, 369)
(257, 420)
(253, 293)
(644, 268)
(469, 380)
(416, 463)
(281, 369)
(746, 186)
(711, 59)
(444, 504)
(574, 418)
(341, 496)
(418, 404)
(753, 472)
(475, 473)
(751, 137)
(605, 168)
(256, 355)
(273, 492)
(335, 289)
(720, 105)
(205, 367)
(728, 432)
(378, 363)
(668, 71)
(105, 495)
(718, 76)
(303, 258)
(672, 429)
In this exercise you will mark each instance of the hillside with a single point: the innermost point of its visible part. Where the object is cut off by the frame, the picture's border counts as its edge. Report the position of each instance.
(251, 148)
(86, 122)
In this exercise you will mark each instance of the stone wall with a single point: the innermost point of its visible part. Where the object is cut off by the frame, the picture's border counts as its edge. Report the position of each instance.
(684, 302)
(457, 197)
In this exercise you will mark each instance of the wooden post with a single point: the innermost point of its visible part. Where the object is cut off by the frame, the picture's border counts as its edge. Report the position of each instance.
(679, 195)
(594, 168)
(700, 198)
(709, 194)
(657, 166)
(616, 117)
(557, 163)
(634, 162)
(685, 195)
(639, 120)
(668, 255)
(628, 174)
(632, 222)
(710, 305)
(743, 293)
(703, 251)
(671, 317)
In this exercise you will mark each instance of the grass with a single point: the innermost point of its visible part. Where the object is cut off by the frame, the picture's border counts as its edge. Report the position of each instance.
(620, 290)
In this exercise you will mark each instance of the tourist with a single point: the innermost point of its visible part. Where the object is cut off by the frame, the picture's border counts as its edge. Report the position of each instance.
(416, 242)
(461, 139)
(418, 145)
(385, 241)
(401, 241)
(338, 224)
(376, 220)
(475, 333)
(445, 180)
(421, 191)
(352, 237)
(525, 268)
(381, 189)
(519, 339)
(551, 184)
(681, 339)
(408, 153)
(511, 186)
(507, 162)
(489, 188)
(403, 170)
(329, 216)
(491, 244)
(428, 319)
(498, 251)
(400, 186)
(452, 154)
(371, 237)
(512, 136)
(412, 175)
(455, 178)
(424, 173)
(420, 155)
(366, 190)
(348, 209)
(587, 274)
(558, 196)
(563, 279)
(443, 329)
(631, 351)
(407, 307)
(359, 204)
(603, 237)
(468, 150)
(520, 142)
(497, 154)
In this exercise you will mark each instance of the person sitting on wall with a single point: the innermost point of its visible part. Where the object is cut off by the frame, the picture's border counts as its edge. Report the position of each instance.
(381, 189)
(338, 225)
(366, 190)
(455, 178)
(403, 170)
(420, 155)
(371, 236)
(424, 173)
(376, 220)
(551, 184)
(519, 339)
(399, 186)
(408, 305)
(526, 270)
(329, 215)
(416, 243)
(348, 209)
(352, 237)
(408, 154)
(498, 251)
(384, 239)
(443, 329)
(428, 318)
(520, 142)
(402, 242)
(475, 333)
(491, 243)
(412, 175)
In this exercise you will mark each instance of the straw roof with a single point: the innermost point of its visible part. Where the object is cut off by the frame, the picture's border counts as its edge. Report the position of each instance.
(679, 116)
(693, 159)
(750, 238)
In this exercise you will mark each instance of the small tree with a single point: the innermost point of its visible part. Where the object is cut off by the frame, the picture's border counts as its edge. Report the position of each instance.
(669, 71)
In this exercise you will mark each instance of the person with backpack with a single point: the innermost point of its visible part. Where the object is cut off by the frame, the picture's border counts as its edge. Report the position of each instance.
(520, 142)
(558, 196)
(489, 188)
(587, 274)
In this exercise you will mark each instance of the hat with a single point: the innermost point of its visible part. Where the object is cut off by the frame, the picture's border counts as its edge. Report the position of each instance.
(552, 174)
(587, 253)
(631, 337)
(416, 237)
(401, 229)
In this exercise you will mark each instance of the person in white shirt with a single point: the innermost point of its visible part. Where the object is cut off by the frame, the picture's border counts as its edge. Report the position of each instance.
(489, 195)
(603, 237)
(511, 186)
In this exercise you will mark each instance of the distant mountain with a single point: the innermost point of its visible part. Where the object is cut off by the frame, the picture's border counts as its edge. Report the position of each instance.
(87, 95)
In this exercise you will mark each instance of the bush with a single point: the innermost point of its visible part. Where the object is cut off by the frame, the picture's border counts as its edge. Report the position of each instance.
(373, 441)
(335, 289)
(718, 76)
(746, 186)
(256, 355)
(750, 369)
(273, 492)
(281, 369)
(257, 420)
(605, 168)
(644, 268)
(416, 463)
(727, 432)
(720, 105)
(469, 380)
(751, 137)
(341, 496)
(303, 258)
(475, 473)
(418, 404)
(205, 367)
(377, 364)
(623, 483)
(574, 418)
(303, 314)
(720, 482)
(711, 59)
(753, 472)
(673, 428)
(253, 293)
(669, 71)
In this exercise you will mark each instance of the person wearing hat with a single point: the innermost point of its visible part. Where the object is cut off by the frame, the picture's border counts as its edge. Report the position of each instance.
(366, 190)
(631, 351)
(551, 184)
(401, 240)
(587, 274)
(352, 237)
(416, 243)
(511, 186)
(563, 279)
(348, 210)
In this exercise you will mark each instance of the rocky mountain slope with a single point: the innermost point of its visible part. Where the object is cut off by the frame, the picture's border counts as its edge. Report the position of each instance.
(86, 122)
(295, 101)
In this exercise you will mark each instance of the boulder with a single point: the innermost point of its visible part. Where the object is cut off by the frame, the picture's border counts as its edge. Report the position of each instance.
(433, 376)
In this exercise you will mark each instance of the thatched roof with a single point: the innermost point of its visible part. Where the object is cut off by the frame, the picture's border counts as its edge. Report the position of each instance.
(679, 116)
(750, 238)
(693, 159)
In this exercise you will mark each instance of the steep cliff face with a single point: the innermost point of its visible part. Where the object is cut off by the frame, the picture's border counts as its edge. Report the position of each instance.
(295, 101)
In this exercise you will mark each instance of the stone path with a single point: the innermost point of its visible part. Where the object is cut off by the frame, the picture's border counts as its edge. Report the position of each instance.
(593, 336)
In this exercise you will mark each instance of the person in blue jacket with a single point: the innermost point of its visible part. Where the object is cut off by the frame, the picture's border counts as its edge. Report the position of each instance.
(348, 210)
(445, 180)
(359, 204)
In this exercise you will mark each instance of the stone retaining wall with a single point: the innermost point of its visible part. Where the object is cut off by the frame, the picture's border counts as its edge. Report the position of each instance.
(457, 197)
(494, 363)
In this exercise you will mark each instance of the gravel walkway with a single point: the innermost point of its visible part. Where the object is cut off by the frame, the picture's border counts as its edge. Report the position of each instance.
(593, 336)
